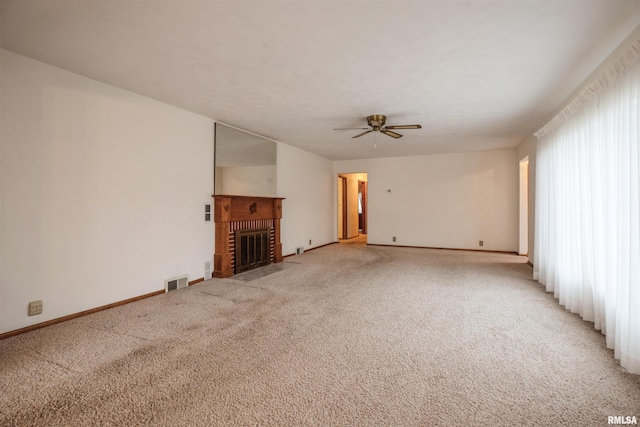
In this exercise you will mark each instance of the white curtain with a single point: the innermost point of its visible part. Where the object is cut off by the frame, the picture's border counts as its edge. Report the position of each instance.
(587, 224)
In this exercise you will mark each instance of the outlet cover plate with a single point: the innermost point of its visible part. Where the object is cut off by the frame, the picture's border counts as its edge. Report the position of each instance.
(35, 308)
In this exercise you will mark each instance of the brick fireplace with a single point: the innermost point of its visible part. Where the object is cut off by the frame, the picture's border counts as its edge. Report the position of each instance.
(247, 233)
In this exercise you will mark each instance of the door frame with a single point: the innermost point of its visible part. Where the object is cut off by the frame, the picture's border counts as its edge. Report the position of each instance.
(523, 243)
(344, 212)
(362, 188)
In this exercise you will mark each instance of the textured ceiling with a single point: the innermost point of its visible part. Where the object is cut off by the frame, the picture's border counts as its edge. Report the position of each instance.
(477, 75)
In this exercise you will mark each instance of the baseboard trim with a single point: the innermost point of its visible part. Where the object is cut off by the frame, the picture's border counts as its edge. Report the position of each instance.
(76, 315)
(530, 263)
(321, 246)
(193, 282)
(445, 249)
(312, 249)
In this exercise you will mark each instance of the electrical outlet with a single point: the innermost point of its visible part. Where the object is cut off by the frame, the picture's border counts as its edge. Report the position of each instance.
(35, 307)
(481, 243)
(394, 238)
(309, 241)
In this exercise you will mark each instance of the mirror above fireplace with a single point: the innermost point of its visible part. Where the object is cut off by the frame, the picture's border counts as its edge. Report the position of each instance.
(245, 164)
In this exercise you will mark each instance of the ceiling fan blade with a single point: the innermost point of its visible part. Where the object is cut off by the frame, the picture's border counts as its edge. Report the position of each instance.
(363, 133)
(351, 128)
(404, 127)
(390, 133)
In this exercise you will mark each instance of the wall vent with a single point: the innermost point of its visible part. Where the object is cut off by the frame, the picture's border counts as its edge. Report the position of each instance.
(176, 283)
(207, 270)
(299, 250)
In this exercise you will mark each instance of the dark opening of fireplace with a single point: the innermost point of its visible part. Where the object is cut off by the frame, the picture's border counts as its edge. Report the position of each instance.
(252, 249)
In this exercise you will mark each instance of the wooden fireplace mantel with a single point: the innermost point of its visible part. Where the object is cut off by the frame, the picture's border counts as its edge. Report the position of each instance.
(228, 209)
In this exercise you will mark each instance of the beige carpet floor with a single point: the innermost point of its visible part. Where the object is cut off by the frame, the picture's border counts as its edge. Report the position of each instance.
(346, 335)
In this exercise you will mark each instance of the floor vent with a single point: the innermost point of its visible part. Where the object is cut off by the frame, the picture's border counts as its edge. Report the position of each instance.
(299, 250)
(207, 270)
(176, 283)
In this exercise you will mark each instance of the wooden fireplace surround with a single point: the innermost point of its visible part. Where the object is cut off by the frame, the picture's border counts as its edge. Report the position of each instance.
(231, 209)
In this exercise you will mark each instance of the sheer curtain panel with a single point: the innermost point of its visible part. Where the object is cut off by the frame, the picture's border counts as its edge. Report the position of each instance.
(587, 220)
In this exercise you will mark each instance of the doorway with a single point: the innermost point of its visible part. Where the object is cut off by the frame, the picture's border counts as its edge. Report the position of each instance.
(342, 207)
(362, 204)
(352, 206)
(523, 247)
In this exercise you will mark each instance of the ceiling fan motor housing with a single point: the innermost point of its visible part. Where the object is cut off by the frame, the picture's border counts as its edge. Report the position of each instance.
(376, 121)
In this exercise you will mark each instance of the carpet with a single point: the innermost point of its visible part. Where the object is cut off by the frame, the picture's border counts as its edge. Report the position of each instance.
(349, 335)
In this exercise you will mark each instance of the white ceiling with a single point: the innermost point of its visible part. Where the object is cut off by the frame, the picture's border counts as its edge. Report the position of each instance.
(477, 74)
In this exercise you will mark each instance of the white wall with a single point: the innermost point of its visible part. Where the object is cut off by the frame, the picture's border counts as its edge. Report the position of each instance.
(246, 181)
(443, 201)
(308, 213)
(102, 191)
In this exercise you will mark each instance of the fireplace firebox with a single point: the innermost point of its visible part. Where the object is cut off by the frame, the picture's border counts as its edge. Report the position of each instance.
(252, 249)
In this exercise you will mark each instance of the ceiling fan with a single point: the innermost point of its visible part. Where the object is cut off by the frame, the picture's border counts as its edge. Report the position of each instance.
(376, 124)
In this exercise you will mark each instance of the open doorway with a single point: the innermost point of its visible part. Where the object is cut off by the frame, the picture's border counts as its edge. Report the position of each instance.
(352, 207)
(342, 206)
(523, 247)
(362, 203)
